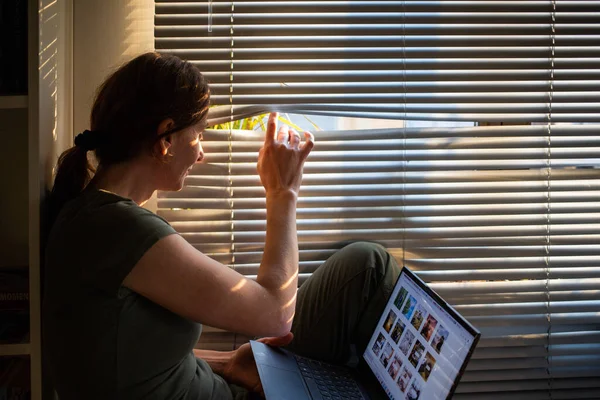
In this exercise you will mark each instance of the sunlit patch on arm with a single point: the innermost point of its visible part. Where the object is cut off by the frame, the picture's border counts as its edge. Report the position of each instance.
(289, 321)
(291, 302)
(289, 282)
(239, 285)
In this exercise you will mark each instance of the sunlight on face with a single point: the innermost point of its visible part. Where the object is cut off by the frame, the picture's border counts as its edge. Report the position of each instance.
(199, 136)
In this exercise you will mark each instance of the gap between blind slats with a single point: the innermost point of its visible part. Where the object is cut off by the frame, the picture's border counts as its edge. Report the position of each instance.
(590, 117)
(386, 65)
(512, 271)
(372, 18)
(320, 251)
(209, 178)
(521, 387)
(419, 101)
(532, 362)
(391, 222)
(380, 201)
(527, 374)
(317, 54)
(179, 6)
(379, 29)
(526, 110)
(477, 288)
(422, 232)
(396, 188)
(450, 183)
(420, 244)
(534, 388)
(431, 88)
(248, 168)
(579, 269)
(491, 353)
(561, 131)
(349, 110)
(481, 154)
(199, 215)
(502, 144)
(474, 74)
(351, 41)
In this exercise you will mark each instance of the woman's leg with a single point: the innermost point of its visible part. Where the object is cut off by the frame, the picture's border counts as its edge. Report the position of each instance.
(340, 304)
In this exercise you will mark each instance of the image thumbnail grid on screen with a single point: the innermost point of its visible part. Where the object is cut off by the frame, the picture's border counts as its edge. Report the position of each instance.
(408, 345)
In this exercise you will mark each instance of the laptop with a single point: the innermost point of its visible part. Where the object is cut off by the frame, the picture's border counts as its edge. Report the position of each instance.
(418, 351)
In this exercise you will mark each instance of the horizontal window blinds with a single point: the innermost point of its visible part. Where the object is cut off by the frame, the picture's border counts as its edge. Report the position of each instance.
(452, 60)
(473, 218)
(502, 221)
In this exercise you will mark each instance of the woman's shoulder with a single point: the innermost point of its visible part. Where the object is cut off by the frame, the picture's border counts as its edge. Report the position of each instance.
(101, 236)
(101, 214)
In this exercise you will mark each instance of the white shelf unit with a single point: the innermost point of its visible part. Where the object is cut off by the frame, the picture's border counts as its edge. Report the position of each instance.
(9, 102)
(20, 349)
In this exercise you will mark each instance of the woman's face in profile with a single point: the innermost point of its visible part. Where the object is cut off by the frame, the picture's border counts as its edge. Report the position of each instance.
(186, 150)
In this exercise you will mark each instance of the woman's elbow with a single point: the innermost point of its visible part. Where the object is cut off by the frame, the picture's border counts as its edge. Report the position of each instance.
(278, 324)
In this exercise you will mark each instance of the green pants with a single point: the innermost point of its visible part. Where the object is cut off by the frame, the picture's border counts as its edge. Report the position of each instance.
(339, 306)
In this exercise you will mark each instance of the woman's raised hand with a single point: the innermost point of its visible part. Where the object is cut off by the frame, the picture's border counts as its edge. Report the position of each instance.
(281, 159)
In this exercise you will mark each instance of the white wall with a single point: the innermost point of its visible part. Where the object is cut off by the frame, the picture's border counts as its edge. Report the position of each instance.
(106, 34)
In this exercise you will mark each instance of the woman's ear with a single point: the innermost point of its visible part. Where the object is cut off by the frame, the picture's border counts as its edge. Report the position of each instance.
(164, 143)
(164, 126)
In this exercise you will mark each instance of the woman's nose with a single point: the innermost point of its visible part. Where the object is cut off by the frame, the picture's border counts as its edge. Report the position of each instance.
(200, 153)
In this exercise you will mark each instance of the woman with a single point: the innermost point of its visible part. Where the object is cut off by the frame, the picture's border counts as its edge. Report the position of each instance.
(125, 295)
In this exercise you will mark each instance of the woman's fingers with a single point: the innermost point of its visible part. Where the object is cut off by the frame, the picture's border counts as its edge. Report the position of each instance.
(278, 341)
(284, 134)
(308, 145)
(294, 139)
(281, 159)
(271, 129)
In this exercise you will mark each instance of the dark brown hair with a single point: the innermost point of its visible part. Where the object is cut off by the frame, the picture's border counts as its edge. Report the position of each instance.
(129, 106)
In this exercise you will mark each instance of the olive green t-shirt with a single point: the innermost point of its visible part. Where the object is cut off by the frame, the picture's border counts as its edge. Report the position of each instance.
(102, 340)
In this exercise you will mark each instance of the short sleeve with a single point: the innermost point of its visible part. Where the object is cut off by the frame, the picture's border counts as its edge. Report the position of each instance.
(121, 233)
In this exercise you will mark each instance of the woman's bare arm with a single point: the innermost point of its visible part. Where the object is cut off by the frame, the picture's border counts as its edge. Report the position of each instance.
(175, 275)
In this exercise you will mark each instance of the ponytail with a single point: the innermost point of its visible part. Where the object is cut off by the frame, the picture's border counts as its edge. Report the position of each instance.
(73, 173)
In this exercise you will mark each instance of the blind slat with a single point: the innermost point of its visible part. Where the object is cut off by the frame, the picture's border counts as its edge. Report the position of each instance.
(191, 7)
(351, 41)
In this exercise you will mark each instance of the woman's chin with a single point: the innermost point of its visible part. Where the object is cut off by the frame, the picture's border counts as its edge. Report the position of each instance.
(179, 185)
(173, 186)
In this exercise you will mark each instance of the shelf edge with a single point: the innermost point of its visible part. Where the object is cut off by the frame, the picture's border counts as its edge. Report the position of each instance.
(9, 102)
(20, 349)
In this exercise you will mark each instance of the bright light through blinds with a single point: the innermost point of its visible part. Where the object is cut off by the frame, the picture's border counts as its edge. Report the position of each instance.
(504, 221)
(464, 60)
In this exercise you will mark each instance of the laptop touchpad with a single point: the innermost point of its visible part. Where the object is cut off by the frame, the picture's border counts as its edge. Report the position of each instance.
(273, 356)
(281, 384)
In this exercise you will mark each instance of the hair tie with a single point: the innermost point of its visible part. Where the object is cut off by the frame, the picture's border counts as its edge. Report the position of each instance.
(88, 140)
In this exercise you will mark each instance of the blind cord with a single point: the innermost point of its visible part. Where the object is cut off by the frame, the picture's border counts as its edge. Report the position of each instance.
(230, 138)
(549, 198)
(210, 16)
(230, 148)
(403, 201)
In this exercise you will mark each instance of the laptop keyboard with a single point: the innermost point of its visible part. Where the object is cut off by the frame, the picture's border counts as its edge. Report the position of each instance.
(331, 382)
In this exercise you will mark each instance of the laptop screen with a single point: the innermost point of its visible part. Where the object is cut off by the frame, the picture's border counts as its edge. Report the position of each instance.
(420, 345)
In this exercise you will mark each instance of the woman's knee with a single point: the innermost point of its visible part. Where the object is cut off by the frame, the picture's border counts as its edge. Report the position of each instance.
(364, 255)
